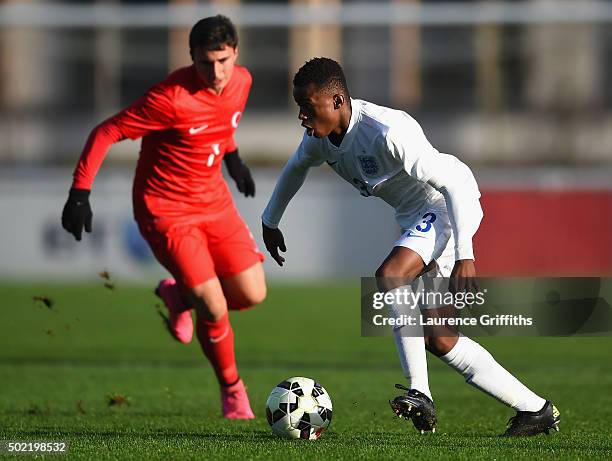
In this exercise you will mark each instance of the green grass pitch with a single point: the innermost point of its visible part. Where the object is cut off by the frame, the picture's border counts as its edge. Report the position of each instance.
(60, 365)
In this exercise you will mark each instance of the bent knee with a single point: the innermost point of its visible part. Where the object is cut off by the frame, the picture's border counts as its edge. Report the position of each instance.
(210, 303)
(390, 270)
(401, 263)
(255, 296)
(247, 299)
(390, 276)
(440, 345)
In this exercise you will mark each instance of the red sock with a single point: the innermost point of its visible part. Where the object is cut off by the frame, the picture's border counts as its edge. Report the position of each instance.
(217, 341)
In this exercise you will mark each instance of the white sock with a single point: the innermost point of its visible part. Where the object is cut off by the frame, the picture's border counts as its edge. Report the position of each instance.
(411, 349)
(481, 370)
(412, 356)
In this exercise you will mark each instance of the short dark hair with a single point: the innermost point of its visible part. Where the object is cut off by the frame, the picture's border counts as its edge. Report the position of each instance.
(213, 33)
(325, 73)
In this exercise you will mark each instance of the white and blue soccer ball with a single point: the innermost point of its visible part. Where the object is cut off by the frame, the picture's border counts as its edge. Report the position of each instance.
(299, 408)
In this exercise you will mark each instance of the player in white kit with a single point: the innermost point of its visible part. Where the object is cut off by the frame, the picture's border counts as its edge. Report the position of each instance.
(384, 153)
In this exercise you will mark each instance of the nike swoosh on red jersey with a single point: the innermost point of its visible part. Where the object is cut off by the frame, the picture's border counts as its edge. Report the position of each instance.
(194, 130)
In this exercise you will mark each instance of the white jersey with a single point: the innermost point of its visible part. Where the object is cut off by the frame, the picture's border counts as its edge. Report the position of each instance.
(385, 154)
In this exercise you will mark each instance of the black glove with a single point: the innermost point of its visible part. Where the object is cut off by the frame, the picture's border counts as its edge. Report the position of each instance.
(239, 173)
(77, 213)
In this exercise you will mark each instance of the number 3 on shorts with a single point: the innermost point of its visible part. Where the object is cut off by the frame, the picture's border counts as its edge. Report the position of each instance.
(428, 219)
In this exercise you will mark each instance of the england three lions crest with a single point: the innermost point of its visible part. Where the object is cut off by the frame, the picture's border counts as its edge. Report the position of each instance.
(369, 165)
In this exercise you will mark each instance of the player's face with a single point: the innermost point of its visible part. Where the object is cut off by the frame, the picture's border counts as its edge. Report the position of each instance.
(318, 112)
(215, 68)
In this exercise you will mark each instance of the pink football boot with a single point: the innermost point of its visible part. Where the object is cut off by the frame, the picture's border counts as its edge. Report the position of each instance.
(181, 323)
(236, 402)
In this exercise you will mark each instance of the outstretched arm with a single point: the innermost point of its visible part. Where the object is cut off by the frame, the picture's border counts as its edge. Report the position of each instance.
(151, 112)
(77, 213)
(100, 140)
(291, 179)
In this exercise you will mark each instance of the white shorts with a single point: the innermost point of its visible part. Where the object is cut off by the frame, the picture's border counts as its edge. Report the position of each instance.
(431, 237)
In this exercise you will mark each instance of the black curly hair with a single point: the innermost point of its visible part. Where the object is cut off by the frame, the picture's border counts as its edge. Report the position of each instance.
(213, 33)
(325, 73)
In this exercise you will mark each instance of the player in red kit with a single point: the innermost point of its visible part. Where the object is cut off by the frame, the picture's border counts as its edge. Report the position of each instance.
(182, 204)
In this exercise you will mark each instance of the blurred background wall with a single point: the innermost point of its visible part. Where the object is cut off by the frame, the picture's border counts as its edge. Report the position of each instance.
(520, 91)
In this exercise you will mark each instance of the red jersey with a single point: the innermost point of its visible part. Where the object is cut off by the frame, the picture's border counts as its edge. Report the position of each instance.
(186, 129)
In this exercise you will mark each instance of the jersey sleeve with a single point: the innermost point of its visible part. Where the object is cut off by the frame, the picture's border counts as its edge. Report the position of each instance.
(231, 145)
(152, 112)
(248, 82)
(451, 177)
(291, 179)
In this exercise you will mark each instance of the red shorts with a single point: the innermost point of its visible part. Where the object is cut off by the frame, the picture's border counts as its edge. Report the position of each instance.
(195, 250)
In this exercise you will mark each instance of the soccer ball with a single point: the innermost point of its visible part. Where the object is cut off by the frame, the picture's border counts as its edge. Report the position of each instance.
(299, 408)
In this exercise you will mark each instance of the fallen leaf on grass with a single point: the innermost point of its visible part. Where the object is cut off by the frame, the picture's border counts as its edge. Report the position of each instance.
(45, 300)
(118, 400)
(105, 275)
(80, 407)
(35, 410)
